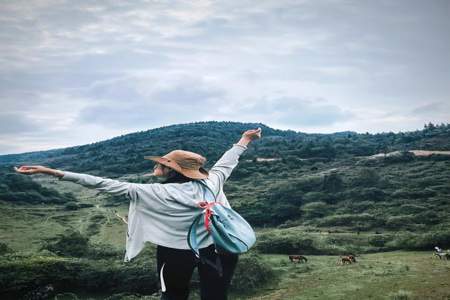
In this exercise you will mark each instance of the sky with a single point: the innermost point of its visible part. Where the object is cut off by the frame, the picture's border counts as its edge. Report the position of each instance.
(77, 72)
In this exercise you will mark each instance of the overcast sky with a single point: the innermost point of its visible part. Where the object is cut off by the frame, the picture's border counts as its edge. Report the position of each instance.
(76, 72)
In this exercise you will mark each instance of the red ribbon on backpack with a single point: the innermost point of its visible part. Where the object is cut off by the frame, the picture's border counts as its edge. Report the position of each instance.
(207, 206)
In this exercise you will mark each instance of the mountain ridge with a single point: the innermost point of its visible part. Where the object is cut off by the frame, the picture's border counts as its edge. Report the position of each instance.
(222, 127)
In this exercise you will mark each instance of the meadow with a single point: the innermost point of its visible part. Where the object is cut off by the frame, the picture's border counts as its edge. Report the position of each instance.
(385, 275)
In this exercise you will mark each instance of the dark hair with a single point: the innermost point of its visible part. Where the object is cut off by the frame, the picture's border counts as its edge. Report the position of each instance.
(176, 177)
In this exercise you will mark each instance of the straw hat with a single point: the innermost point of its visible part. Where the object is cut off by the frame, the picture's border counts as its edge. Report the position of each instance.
(188, 163)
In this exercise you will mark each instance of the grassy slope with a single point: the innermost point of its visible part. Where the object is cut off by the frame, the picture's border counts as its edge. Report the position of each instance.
(374, 276)
(24, 227)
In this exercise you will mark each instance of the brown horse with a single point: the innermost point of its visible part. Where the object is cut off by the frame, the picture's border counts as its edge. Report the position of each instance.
(298, 259)
(352, 258)
(348, 259)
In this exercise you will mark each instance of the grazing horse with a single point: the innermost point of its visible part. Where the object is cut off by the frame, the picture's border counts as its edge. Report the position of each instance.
(298, 259)
(352, 258)
(348, 259)
(443, 255)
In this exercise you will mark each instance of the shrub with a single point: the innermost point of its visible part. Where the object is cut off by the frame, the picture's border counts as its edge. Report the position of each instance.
(402, 221)
(22, 189)
(366, 178)
(373, 194)
(104, 251)
(252, 272)
(348, 220)
(288, 243)
(379, 240)
(428, 217)
(70, 243)
(71, 206)
(4, 249)
(424, 241)
(20, 275)
(332, 183)
(328, 198)
(414, 194)
(412, 208)
(315, 197)
(315, 209)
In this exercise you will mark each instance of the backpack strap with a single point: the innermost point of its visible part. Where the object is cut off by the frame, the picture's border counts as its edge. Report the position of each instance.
(207, 213)
(192, 237)
(216, 266)
(209, 189)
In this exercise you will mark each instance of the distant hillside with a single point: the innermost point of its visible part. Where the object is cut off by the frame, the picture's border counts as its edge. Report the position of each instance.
(290, 178)
(124, 154)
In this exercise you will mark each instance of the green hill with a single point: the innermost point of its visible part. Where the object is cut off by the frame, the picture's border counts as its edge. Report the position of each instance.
(292, 178)
(124, 154)
(304, 193)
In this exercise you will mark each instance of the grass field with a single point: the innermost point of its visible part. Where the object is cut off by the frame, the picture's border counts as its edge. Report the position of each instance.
(390, 275)
(387, 275)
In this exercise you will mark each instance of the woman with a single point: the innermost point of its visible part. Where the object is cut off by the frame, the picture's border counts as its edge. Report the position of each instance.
(162, 213)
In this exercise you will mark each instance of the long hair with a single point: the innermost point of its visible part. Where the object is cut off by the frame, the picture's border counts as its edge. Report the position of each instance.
(176, 177)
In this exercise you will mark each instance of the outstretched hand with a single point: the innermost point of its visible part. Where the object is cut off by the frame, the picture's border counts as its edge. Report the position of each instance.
(28, 170)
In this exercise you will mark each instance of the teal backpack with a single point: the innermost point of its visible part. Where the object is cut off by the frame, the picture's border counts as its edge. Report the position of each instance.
(229, 230)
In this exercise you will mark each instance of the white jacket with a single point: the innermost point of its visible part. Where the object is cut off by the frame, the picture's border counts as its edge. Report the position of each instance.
(162, 213)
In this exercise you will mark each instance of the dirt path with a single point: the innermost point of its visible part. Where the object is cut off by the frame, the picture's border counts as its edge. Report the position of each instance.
(422, 153)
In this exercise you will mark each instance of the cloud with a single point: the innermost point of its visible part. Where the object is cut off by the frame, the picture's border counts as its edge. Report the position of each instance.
(16, 123)
(113, 67)
(139, 102)
(431, 108)
(294, 112)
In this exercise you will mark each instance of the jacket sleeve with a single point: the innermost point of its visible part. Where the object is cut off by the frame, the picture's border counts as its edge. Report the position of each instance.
(101, 184)
(222, 169)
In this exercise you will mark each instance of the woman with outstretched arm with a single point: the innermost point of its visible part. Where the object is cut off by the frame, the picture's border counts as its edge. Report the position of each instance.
(161, 213)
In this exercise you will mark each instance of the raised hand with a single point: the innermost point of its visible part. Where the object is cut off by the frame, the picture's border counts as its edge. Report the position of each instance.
(249, 136)
(252, 134)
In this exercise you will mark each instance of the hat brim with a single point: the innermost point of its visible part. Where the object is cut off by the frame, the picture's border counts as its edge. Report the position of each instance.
(201, 173)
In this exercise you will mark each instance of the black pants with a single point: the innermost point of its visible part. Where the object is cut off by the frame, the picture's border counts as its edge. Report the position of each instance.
(178, 265)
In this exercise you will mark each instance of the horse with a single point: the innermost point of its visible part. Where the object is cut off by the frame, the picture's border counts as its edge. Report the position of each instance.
(443, 255)
(348, 259)
(352, 257)
(298, 259)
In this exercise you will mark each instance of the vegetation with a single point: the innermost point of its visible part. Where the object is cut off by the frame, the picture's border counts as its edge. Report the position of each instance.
(21, 274)
(252, 273)
(124, 154)
(22, 189)
(313, 194)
